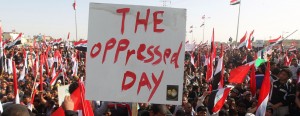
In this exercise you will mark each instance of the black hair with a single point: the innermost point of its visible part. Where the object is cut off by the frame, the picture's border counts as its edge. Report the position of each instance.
(201, 108)
(288, 71)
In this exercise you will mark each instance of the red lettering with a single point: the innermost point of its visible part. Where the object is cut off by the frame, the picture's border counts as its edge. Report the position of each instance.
(175, 56)
(122, 46)
(150, 53)
(129, 53)
(144, 82)
(142, 21)
(139, 52)
(123, 11)
(157, 21)
(167, 54)
(128, 85)
(156, 84)
(157, 53)
(109, 45)
(94, 54)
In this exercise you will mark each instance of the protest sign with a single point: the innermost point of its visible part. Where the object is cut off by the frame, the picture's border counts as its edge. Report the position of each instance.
(135, 53)
(189, 47)
(62, 92)
(259, 43)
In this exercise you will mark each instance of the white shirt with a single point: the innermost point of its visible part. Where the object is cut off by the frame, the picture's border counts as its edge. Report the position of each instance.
(294, 71)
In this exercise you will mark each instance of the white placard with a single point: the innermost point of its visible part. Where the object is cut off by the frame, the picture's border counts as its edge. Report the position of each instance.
(189, 47)
(62, 92)
(259, 43)
(139, 60)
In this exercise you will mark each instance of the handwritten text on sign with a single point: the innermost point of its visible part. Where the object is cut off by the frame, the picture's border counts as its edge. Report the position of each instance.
(134, 53)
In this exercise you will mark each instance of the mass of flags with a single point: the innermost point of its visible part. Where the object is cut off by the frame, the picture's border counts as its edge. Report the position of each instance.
(214, 69)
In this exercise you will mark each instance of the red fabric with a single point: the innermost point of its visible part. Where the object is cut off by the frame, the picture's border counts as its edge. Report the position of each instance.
(238, 74)
(243, 38)
(274, 40)
(221, 102)
(41, 77)
(15, 81)
(253, 81)
(249, 45)
(264, 91)
(78, 97)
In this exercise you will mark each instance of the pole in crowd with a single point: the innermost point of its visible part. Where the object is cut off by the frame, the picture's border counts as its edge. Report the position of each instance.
(235, 2)
(74, 7)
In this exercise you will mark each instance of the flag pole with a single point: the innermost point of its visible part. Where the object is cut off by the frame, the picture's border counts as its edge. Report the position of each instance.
(238, 23)
(76, 23)
(203, 29)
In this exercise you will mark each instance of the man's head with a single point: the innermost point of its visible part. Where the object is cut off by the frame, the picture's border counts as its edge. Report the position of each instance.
(16, 110)
(285, 74)
(269, 111)
(26, 99)
(201, 111)
(188, 108)
(294, 62)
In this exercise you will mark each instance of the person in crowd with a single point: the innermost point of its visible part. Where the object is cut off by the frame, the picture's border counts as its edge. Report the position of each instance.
(281, 89)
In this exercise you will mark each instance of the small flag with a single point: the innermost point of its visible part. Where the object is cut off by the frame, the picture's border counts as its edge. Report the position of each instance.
(249, 42)
(274, 40)
(68, 36)
(81, 45)
(17, 41)
(218, 76)
(243, 41)
(74, 5)
(235, 2)
(217, 99)
(202, 25)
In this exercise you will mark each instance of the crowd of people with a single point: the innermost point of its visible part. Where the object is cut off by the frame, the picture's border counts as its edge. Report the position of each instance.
(38, 93)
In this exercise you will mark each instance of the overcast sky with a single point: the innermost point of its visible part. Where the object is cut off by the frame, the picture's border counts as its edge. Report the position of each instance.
(269, 18)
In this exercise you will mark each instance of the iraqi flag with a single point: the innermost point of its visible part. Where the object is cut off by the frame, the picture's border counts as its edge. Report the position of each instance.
(217, 99)
(238, 74)
(81, 45)
(292, 48)
(235, 2)
(55, 78)
(17, 41)
(264, 93)
(243, 41)
(274, 40)
(249, 41)
(57, 41)
(210, 65)
(218, 76)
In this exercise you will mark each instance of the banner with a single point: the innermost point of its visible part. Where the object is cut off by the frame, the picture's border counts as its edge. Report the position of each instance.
(135, 53)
